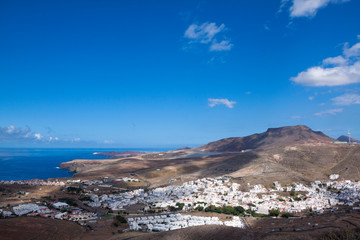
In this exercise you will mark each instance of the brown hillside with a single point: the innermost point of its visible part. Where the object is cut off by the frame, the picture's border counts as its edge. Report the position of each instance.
(344, 138)
(284, 154)
(273, 137)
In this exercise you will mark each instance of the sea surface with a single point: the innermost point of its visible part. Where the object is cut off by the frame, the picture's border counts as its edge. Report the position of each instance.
(43, 163)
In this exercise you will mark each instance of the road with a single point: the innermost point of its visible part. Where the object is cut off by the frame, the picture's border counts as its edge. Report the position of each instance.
(141, 179)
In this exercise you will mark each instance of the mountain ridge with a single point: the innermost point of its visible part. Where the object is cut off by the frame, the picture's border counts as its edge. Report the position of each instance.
(273, 137)
(344, 138)
(292, 153)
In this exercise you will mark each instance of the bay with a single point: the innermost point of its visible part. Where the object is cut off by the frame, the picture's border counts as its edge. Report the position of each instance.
(43, 163)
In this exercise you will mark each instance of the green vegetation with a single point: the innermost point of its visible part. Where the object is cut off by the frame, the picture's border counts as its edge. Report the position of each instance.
(274, 212)
(240, 211)
(74, 190)
(70, 201)
(199, 208)
(297, 199)
(123, 212)
(226, 210)
(237, 211)
(120, 219)
(172, 208)
(85, 198)
(259, 215)
(179, 207)
(286, 215)
(48, 198)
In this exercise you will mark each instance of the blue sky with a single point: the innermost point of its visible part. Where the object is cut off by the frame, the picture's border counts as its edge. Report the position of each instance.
(170, 74)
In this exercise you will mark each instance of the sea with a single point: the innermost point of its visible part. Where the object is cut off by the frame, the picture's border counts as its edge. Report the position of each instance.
(43, 163)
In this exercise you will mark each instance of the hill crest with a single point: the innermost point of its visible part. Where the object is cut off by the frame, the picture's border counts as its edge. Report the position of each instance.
(273, 137)
(344, 138)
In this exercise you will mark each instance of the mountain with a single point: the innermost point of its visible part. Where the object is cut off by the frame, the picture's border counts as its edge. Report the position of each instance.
(273, 137)
(344, 138)
(285, 154)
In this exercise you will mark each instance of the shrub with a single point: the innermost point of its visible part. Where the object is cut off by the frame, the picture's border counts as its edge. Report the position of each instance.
(286, 215)
(120, 219)
(199, 208)
(172, 208)
(75, 190)
(85, 198)
(274, 212)
(180, 206)
(69, 201)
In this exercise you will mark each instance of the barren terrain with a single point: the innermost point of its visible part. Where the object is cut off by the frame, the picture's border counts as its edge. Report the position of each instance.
(289, 154)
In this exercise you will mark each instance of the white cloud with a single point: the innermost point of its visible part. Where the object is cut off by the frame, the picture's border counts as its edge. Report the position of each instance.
(37, 136)
(335, 76)
(203, 33)
(224, 45)
(353, 51)
(51, 139)
(311, 98)
(335, 71)
(328, 112)
(306, 8)
(208, 33)
(339, 60)
(10, 129)
(14, 134)
(283, 5)
(217, 101)
(347, 99)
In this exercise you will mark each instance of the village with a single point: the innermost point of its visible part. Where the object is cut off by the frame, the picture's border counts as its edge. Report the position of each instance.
(35, 182)
(167, 222)
(58, 210)
(173, 207)
(221, 191)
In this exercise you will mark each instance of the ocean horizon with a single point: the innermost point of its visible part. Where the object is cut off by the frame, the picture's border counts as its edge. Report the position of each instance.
(43, 163)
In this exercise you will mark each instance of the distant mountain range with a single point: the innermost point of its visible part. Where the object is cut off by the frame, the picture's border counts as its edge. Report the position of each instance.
(273, 137)
(344, 138)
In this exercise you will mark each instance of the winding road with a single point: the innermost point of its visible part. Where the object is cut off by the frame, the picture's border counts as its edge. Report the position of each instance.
(141, 179)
